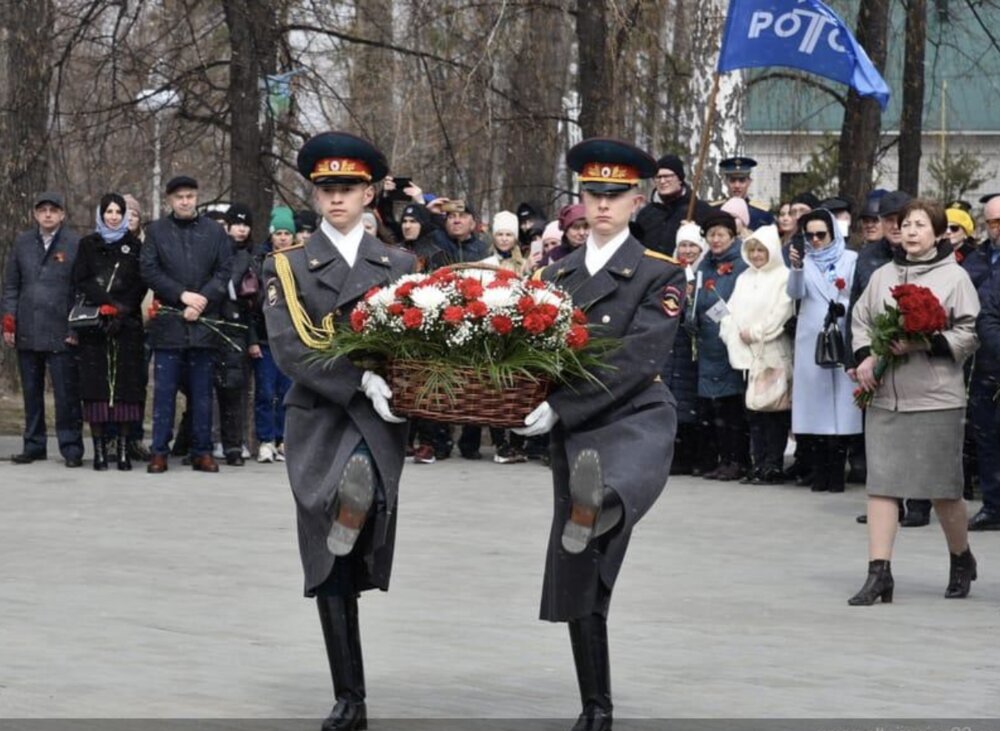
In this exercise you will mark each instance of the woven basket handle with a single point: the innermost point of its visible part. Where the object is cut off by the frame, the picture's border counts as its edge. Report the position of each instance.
(471, 265)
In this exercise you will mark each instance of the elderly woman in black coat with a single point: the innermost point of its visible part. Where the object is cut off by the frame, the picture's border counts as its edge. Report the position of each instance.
(110, 354)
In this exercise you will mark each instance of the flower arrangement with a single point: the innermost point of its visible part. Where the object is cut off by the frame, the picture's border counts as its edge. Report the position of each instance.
(458, 324)
(916, 316)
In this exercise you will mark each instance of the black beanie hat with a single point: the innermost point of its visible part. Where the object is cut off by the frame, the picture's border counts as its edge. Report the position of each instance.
(239, 213)
(672, 163)
(718, 218)
(418, 213)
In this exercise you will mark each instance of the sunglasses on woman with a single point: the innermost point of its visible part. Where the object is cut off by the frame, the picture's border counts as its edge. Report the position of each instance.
(816, 235)
(954, 229)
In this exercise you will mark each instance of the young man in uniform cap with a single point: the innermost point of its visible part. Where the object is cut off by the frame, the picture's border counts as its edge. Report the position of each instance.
(37, 298)
(612, 440)
(345, 447)
(735, 172)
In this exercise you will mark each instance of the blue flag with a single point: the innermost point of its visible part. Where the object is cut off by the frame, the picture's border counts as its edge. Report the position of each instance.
(802, 34)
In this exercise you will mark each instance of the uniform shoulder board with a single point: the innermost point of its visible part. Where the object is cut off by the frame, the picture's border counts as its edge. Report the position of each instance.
(662, 257)
(293, 247)
(537, 276)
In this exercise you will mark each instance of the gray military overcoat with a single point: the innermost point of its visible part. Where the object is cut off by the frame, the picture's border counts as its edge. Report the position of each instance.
(631, 419)
(328, 415)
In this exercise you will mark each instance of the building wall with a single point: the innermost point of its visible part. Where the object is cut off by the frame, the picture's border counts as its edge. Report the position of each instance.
(784, 152)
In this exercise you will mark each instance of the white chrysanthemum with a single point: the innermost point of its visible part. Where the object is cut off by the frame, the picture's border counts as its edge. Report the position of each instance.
(428, 298)
(545, 297)
(499, 297)
(383, 298)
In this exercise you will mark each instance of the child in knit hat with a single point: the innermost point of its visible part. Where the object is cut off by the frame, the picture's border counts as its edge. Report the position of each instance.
(505, 251)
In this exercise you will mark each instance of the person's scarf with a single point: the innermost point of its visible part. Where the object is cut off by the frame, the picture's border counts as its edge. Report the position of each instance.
(111, 235)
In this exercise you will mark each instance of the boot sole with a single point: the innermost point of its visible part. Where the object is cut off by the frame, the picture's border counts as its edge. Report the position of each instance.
(586, 489)
(354, 499)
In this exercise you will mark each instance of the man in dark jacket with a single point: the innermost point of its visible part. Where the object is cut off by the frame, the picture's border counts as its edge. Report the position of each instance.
(459, 240)
(37, 298)
(659, 219)
(982, 266)
(186, 262)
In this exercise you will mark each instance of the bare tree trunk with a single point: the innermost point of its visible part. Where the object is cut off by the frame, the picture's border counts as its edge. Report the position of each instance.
(911, 119)
(538, 83)
(600, 113)
(254, 39)
(373, 83)
(860, 131)
(24, 160)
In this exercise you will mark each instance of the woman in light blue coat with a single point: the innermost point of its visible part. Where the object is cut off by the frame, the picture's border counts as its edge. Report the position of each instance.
(823, 410)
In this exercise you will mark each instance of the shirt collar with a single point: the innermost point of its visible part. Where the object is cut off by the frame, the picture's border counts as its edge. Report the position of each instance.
(596, 257)
(346, 244)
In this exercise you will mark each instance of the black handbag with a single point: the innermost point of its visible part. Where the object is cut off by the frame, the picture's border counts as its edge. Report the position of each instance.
(83, 316)
(831, 351)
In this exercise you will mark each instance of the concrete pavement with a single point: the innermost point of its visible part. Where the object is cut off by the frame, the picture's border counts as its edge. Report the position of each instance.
(127, 595)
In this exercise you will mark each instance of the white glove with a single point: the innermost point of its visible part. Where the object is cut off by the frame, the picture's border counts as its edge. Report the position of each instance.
(379, 393)
(539, 421)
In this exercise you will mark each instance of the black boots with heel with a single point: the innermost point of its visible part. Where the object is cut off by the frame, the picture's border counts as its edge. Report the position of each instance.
(121, 449)
(961, 576)
(100, 453)
(879, 585)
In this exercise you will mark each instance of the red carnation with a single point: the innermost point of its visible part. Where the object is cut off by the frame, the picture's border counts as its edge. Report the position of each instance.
(710, 285)
(577, 337)
(536, 323)
(470, 288)
(477, 309)
(453, 315)
(395, 309)
(505, 275)
(404, 289)
(840, 283)
(959, 256)
(502, 324)
(725, 268)
(109, 310)
(359, 318)
(10, 324)
(412, 318)
(525, 304)
(579, 316)
(151, 312)
(534, 284)
(549, 312)
(372, 292)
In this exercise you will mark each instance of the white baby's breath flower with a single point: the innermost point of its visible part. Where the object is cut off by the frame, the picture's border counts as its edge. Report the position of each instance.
(428, 298)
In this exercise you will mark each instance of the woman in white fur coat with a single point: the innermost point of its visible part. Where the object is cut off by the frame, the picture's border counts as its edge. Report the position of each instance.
(755, 337)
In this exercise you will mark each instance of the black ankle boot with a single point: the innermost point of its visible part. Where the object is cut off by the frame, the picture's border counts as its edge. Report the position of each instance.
(338, 615)
(961, 576)
(589, 639)
(121, 448)
(100, 453)
(878, 585)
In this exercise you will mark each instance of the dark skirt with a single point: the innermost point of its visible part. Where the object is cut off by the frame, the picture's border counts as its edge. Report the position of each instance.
(116, 362)
(101, 412)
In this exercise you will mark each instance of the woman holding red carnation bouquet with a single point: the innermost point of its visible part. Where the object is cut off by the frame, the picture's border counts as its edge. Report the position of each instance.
(914, 327)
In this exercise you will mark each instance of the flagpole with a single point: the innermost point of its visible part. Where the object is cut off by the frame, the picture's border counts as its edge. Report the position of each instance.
(703, 151)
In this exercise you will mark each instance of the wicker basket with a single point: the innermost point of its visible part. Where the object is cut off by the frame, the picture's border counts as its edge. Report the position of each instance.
(473, 400)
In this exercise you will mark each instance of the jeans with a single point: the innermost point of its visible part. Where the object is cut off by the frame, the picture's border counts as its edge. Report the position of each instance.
(66, 388)
(170, 368)
(985, 416)
(270, 386)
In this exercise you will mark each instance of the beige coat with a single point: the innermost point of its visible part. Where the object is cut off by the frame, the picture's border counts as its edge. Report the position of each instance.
(925, 382)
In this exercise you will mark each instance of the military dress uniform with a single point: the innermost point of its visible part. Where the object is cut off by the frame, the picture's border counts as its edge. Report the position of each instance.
(625, 425)
(760, 213)
(310, 291)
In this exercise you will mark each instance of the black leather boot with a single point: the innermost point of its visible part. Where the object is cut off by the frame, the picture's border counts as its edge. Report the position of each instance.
(961, 576)
(338, 615)
(589, 638)
(820, 449)
(836, 463)
(878, 585)
(595, 509)
(100, 453)
(121, 448)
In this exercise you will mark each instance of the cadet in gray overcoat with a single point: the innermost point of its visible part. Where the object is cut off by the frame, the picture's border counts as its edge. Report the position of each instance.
(344, 448)
(612, 442)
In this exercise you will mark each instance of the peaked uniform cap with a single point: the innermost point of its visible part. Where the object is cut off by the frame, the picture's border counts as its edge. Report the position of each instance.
(607, 165)
(340, 157)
